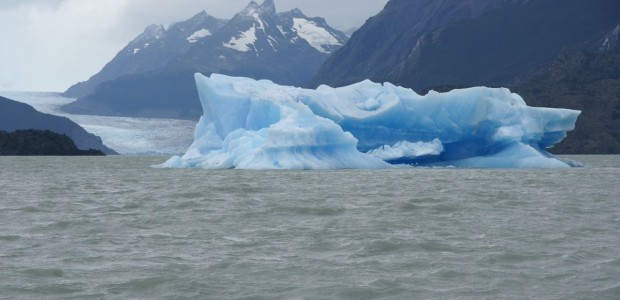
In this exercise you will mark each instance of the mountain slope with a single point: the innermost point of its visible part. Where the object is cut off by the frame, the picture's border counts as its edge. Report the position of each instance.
(587, 82)
(424, 43)
(151, 50)
(386, 40)
(287, 48)
(17, 116)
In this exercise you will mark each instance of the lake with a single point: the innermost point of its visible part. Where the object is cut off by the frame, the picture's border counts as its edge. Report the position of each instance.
(113, 227)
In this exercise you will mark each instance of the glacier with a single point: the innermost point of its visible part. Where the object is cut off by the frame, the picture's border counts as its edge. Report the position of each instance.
(256, 124)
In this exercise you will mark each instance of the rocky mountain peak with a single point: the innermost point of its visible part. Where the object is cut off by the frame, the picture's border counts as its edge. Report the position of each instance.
(199, 17)
(294, 13)
(155, 31)
(151, 34)
(268, 7)
(253, 8)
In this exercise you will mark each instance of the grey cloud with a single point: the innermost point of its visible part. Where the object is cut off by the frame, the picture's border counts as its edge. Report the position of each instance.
(9, 4)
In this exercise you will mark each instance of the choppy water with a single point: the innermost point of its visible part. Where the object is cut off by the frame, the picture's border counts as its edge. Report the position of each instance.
(114, 228)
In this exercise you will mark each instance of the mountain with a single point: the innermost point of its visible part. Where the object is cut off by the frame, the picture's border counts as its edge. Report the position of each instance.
(349, 32)
(287, 48)
(40, 142)
(609, 42)
(585, 81)
(151, 50)
(18, 116)
(387, 39)
(426, 43)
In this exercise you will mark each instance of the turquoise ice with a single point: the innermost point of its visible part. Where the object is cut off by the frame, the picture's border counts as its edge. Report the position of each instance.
(250, 124)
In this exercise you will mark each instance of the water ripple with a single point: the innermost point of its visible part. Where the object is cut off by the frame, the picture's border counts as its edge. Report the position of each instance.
(114, 228)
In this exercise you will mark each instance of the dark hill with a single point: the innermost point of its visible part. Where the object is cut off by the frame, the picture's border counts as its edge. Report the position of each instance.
(16, 116)
(39, 142)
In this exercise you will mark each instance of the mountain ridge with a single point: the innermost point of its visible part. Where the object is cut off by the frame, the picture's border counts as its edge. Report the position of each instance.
(386, 39)
(257, 42)
(152, 49)
(452, 42)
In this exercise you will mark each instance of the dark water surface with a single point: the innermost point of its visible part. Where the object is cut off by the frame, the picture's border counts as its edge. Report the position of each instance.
(114, 228)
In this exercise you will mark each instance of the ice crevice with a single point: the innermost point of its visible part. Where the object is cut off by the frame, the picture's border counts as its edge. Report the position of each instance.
(256, 124)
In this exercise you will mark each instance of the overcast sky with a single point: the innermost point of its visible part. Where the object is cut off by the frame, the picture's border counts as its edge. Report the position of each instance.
(48, 45)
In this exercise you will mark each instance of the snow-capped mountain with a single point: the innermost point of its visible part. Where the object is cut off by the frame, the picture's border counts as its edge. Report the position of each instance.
(151, 50)
(287, 48)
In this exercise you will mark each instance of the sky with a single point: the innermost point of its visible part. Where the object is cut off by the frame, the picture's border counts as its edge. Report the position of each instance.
(48, 45)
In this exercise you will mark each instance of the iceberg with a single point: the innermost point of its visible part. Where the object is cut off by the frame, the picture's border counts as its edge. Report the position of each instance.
(256, 124)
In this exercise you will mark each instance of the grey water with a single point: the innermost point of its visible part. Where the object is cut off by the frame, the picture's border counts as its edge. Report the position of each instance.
(115, 228)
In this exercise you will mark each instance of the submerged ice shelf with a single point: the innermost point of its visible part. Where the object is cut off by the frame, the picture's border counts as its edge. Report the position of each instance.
(249, 124)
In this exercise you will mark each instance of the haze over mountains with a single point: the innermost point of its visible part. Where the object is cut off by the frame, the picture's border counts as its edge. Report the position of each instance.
(153, 75)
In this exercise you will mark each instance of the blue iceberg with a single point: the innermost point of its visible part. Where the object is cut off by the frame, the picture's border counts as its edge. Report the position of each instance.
(250, 124)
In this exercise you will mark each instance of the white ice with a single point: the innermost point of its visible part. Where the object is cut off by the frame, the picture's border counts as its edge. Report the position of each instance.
(251, 124)
(196, 36)
(318, 37)
(243, 41)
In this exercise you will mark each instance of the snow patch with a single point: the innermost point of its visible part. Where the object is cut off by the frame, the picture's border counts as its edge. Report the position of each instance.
(243, 41)
(196, 36)
(258, 20)
(317, 37)
(271, 41)
(281, 30)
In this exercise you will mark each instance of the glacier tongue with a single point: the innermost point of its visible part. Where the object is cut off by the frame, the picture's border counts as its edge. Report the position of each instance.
(249, 124)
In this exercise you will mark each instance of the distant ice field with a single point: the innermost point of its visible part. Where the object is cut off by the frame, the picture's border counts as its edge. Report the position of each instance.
(128, 136)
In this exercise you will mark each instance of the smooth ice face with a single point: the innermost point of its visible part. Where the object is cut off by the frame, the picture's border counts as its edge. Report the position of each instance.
(251, 124)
